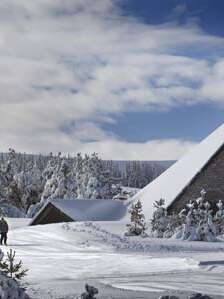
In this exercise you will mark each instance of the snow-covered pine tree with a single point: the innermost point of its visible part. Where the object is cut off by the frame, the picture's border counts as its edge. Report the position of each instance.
(12, 269)
(160, 220)
(61, 182)
(12, 193)
(79, 175)
(94, 182)
(30, 183)
(66, 184)
(137, 226)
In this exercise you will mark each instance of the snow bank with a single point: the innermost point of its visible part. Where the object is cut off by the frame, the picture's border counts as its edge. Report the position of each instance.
(173, 181)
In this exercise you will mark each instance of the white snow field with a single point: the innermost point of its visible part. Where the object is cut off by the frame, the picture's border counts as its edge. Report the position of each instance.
(172, 182)
(62, 257)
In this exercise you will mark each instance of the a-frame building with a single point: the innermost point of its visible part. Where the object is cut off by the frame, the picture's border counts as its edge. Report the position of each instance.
(68, 210)
(201, 168)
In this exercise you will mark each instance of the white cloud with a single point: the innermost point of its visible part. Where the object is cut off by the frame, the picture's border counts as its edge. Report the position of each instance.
(213, 87)
(152, 150)
(65, 68)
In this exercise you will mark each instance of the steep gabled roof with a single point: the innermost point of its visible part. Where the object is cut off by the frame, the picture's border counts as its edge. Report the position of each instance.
(170, 184)
(87, 210)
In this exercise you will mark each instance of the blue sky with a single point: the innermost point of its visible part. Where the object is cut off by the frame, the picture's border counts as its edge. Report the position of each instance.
(208, 13)
(191, 123)
(130, 79)
(194, 122)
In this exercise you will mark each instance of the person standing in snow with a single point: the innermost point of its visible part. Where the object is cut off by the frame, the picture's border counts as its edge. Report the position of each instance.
(4, 228)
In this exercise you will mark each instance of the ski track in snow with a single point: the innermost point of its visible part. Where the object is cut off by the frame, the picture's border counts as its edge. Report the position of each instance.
(139, 244)
(62, 257)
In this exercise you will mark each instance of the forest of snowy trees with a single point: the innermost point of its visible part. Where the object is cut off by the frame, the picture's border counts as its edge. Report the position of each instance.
(27, 181)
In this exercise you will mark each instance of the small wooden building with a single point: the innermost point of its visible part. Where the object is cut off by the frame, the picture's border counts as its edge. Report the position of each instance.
(65, 210)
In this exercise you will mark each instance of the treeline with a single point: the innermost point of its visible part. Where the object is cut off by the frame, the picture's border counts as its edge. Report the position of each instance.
(27, 181)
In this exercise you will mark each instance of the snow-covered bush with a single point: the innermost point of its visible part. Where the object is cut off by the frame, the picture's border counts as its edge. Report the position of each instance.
(196, 222)
(199, 296)
(219, 218)
(9, 288)
(164, 225)
(194, 296)
(89, 293)
(138, 225)
(168, 297)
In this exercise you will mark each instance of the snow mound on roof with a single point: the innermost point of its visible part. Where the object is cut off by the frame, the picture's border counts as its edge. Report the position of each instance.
(173, 181)
(91, 210)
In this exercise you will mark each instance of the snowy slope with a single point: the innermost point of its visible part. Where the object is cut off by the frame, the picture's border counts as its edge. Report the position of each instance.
(62, 257)
(172, 182)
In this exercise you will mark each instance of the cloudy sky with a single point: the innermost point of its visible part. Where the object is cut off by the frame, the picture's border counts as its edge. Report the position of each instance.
(130, 79)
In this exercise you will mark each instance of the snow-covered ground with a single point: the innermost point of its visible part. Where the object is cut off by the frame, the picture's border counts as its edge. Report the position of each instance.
(62, 257)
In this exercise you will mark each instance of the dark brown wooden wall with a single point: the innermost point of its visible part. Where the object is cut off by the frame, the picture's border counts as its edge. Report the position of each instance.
(211, 178)
(51, 215)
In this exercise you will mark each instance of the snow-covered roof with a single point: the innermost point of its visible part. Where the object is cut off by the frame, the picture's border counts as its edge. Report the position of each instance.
(88, 210)
(174, 180)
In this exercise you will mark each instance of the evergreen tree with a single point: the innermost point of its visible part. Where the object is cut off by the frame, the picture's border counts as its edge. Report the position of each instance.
(138, 225)
(94, 182)
(12, 269)
(160, 220)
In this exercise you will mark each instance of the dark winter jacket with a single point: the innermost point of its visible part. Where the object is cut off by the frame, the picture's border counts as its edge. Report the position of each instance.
(3, 226)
